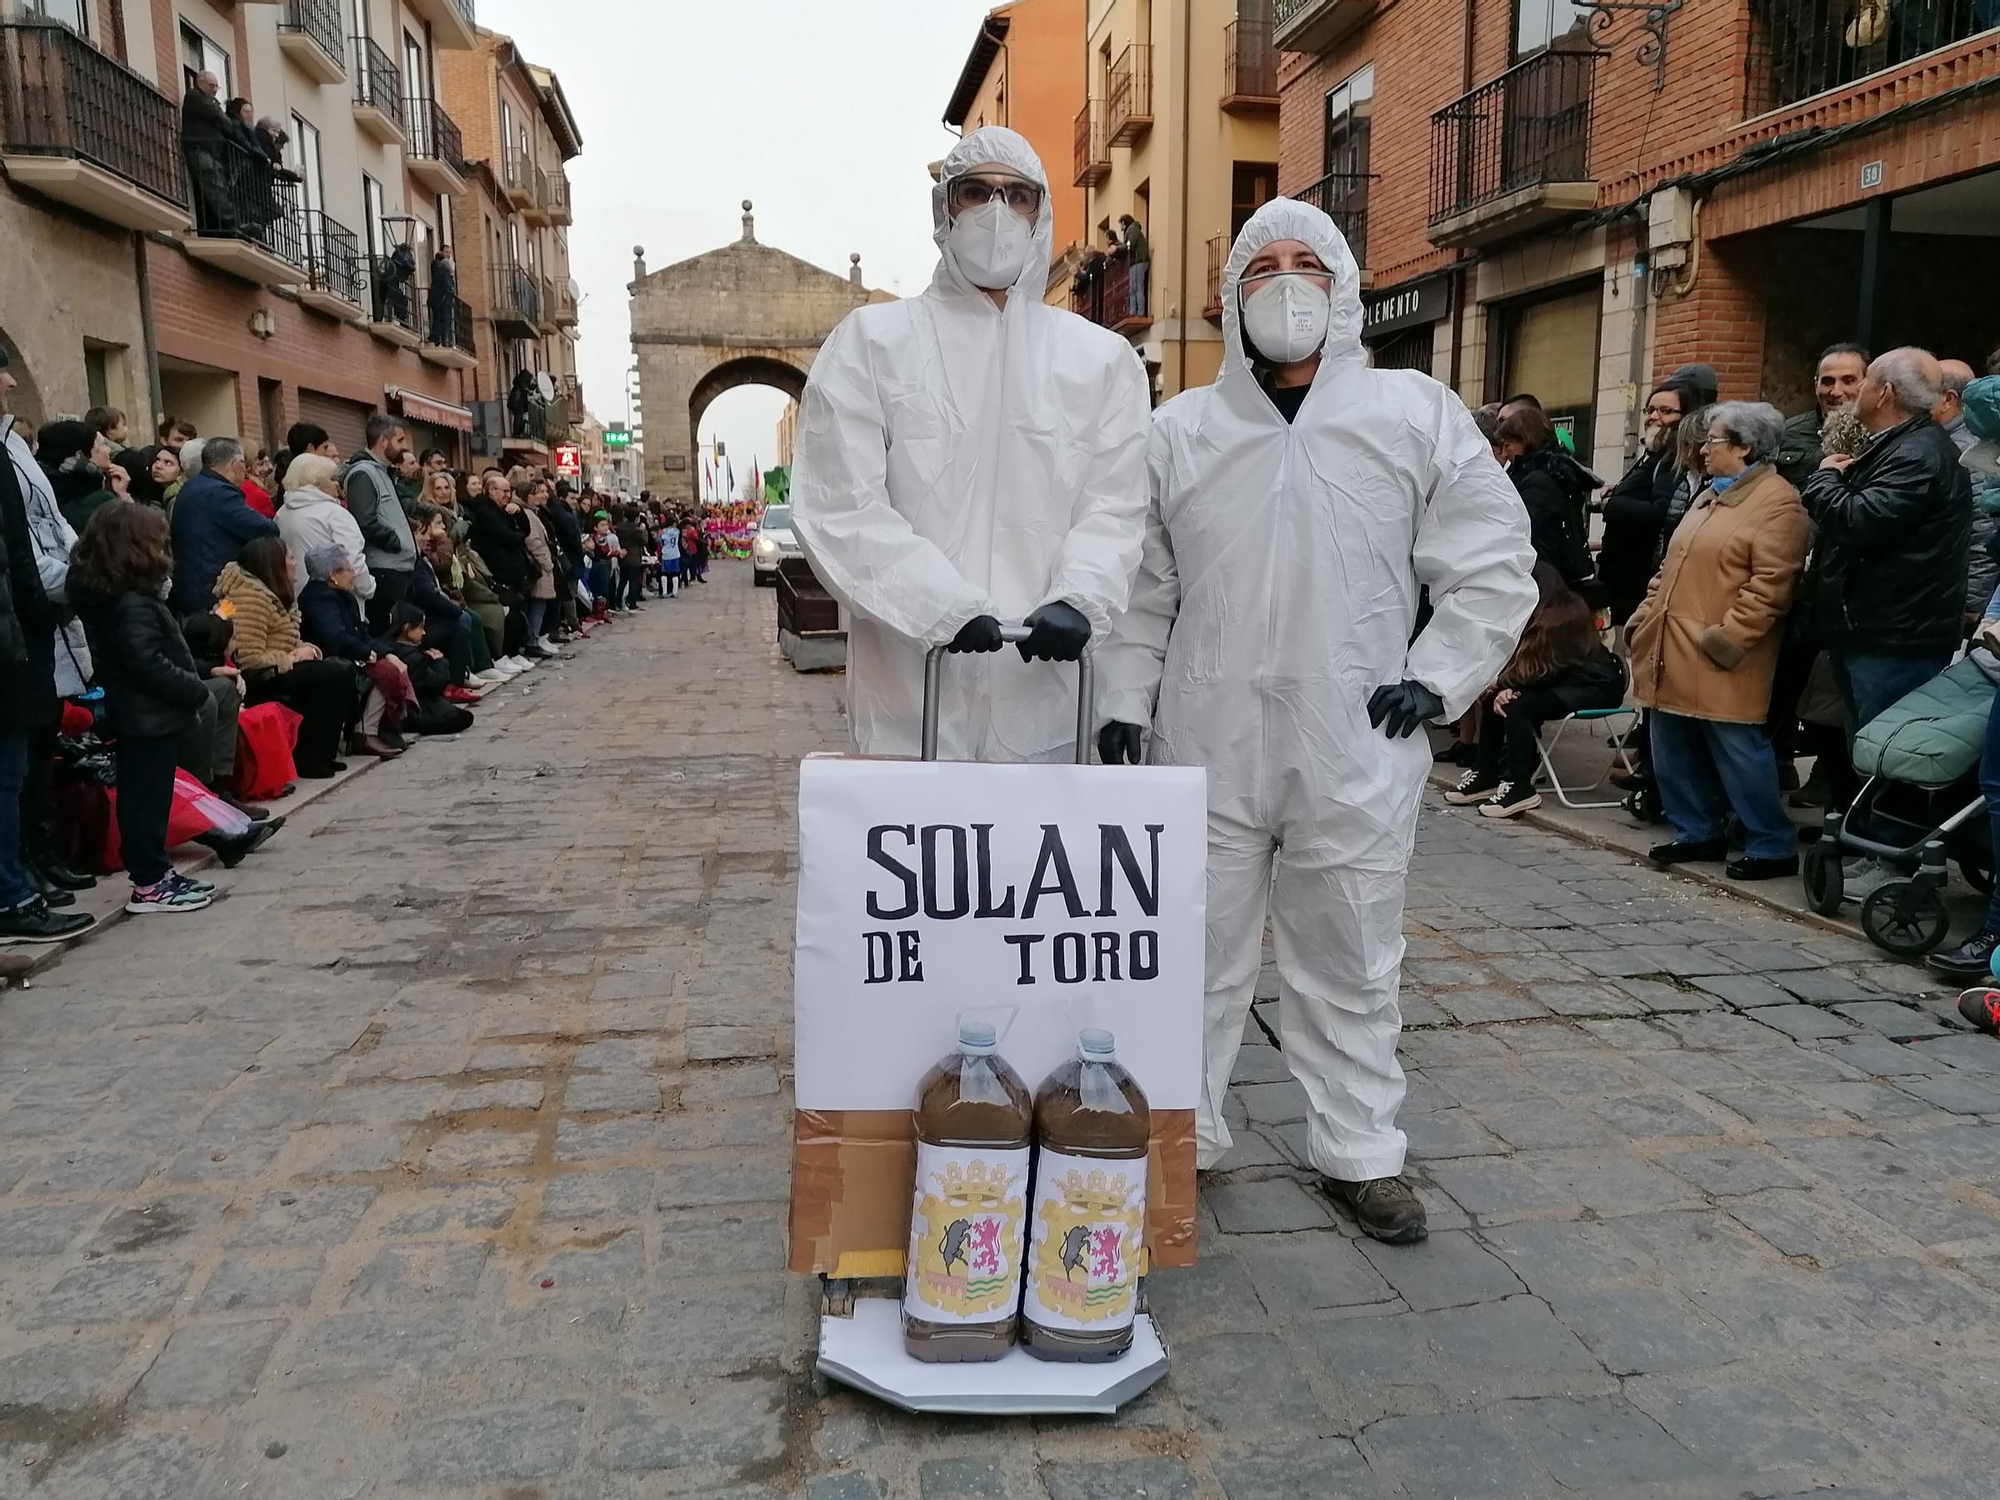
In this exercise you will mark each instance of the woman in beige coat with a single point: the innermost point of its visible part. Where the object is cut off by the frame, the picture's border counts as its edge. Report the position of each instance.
(1705, 647)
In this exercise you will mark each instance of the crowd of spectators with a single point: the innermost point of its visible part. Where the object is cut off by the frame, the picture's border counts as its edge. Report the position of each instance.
(151, 597)
(1772, 585)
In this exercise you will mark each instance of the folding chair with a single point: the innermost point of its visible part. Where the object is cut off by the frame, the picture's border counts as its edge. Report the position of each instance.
(1545, 749)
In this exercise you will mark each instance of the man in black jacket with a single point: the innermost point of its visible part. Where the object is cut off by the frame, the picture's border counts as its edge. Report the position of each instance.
(1885, 592)
(1836, 381)
(206, 139)
(444, 299)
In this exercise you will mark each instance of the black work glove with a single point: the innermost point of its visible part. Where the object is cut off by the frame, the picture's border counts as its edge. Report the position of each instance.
(1118, 744)
(1057, 632)
(1398, 709)
(980, 633)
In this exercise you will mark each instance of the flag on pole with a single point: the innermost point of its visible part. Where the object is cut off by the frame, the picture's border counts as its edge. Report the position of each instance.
(730, 493)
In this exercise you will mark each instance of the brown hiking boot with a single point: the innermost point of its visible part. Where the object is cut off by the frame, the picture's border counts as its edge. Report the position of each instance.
(1386, 1208)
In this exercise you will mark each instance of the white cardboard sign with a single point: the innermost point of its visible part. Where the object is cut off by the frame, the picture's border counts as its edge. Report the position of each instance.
(1046, 898)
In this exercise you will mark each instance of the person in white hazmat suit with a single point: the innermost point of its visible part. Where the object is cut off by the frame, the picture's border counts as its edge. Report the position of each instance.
(1298, 505)
(971, 456)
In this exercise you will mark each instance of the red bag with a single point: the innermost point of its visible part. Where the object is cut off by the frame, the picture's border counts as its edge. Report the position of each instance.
(265, 738)
(195, 811)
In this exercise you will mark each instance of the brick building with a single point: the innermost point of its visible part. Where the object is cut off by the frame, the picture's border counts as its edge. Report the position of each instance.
(200, 283)
(1571, 201)
(513, 244)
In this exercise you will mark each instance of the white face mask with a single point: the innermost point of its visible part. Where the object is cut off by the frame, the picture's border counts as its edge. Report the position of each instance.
(991, 243)
(1285, 318)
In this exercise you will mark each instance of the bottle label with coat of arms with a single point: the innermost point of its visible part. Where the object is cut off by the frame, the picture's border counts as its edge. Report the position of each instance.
(966, 1222)
(1089, 1229)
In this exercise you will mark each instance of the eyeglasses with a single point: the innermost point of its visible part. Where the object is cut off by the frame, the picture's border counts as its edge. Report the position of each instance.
(1672, 413)
(976, 192)
(1720, 442)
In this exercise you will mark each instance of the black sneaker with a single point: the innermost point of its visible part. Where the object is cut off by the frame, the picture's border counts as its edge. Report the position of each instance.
(172, 895)
(189, 883)
(1758, 867)
(1385, 1208)
(1510, 798)
(1684, 852)
(33, 922)
(1473, 786)
(1971, 960)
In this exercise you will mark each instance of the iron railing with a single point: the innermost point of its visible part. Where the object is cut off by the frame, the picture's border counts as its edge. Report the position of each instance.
(1103, 294)
(1218, 256)
(1129, 95)
(433, 135)
(1093, 157)
(1343, 197)
(517, 296)
(524, 176)
(558, 193)
(334, 262)
(241, 194)
(465, 8)
(531, 422)
(1528, 127)
(1249, 61)
(378, 82)
(1799, 48)
(398, 294)
(448, 324)
(60, 96)
(318, 19)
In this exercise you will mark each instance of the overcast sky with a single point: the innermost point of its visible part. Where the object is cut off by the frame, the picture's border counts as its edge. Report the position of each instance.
(824, 114)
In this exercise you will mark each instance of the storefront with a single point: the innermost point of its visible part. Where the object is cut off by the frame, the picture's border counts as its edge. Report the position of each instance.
(345, 421)
(1399, 323)
(1545, 346)
(432, 423)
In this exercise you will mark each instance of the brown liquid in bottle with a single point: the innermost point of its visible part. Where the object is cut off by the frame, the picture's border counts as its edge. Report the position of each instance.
(1091, 1129)
(974, 1126)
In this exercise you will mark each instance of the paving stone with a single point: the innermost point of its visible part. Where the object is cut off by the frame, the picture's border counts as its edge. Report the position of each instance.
(1230, 1380)
(1528, 1127)
(1974, 1054)
(1449, 1269)
(689, 1184)
(1512, 1336)
(304, 1216)
(1552, 1258)
(1606, 1182)
(1815, 1224)
(1299, 1273)
(1959, 1093)
(242, 1285)
(1332, 1469)
(1747, 990)
(1499, 1189)
(1598, 1443)
(530, 1441)
(706, 1428)
(1644, 1330)
(1454, 1454)
(1898, 1292)
(1218, 1293)
(844, 1487)
(375, 1346)
(207, 1364)
(1665, 999)
(1474, 1007)
(414, 1276)
(1132, 1479)
(110, 1292)
(1745, 1429)
(1806, 1022)
(71, 1371)
(447, 1210)
(1256, 1064)
(1273, 1103)
(1447, 1134)
(1653, 1115)
(1731, 1173)
(1896, 1021)
(45, 1230)
(1783, 1308)
(1269, 1207)
(1826, 987)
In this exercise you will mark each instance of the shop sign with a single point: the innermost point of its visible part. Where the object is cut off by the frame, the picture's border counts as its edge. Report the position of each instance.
(1405, 306)
(569, 460)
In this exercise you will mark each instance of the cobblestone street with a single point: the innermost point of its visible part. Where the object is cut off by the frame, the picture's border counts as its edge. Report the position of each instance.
(447, 1157)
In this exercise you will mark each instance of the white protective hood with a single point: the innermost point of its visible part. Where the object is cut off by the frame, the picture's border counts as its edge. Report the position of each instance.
(956, 459)
(1278, 590)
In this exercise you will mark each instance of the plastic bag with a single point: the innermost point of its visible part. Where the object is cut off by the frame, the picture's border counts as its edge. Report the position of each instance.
(265, 738)
(195, 811)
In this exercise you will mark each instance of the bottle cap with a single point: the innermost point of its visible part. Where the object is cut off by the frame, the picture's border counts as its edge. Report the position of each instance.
(977, 1036)
(1097, 1043)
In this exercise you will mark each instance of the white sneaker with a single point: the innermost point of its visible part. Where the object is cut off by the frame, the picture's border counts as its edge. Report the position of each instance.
(491, 677)
(519, 664)
(1864, 876)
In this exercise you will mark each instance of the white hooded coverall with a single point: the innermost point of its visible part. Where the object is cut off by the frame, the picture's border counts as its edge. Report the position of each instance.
(954, 460)
(1277, 592)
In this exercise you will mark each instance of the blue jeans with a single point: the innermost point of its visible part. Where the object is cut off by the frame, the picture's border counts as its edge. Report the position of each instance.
(1708, 770)
(536, 610)
(14, 886)
(1135, 289)
(1869, 684)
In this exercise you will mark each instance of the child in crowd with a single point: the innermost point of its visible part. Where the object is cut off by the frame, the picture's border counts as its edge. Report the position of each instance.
(670, 558)
(152, 690)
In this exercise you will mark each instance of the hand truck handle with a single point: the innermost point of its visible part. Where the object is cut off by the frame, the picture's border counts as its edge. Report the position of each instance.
(1012, 634)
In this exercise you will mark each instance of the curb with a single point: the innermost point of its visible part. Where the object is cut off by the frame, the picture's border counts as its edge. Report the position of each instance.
(20, 963)
(1736, 889)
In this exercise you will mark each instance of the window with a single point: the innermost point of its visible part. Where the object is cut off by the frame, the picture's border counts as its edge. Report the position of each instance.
(416, 70)
(96, 375)
(1252, 184)
(1349, 109)
(513, 242)
(70, 13)
(378, 232)
(444, 220)
(302, 156)
(506, 133)
(361, 27)
(1540, 25)
(200, 55)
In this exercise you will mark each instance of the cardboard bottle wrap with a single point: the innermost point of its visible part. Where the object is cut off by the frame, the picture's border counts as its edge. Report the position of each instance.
(967, 1221)
(851, 1176)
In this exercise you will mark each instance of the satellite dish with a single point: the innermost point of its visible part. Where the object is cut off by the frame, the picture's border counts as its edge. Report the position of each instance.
(575, 291)
(545, 385)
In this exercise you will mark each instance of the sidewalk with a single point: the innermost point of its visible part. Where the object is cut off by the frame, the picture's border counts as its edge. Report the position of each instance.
(1580, 758)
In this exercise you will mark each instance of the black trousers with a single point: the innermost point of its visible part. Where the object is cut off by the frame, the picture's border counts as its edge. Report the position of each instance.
(324, 693)
(635, 581)
(1507, 743)
(146, 766)
(391, 589)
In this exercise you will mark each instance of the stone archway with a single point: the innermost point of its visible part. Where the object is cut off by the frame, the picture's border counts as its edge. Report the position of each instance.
(747, 314)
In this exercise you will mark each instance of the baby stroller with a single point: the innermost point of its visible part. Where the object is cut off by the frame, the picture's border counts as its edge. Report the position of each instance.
(1920, 806)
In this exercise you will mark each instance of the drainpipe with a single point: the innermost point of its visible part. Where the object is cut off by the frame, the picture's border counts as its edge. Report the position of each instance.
(1462, 268)
(1187, 123)
(151, 344)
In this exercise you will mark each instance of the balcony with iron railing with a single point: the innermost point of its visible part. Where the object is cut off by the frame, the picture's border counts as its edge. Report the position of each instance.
(336, 274)
(1513, 155)
(82, 128)
(378, 94)
(1128, 96)
(247, 217)
(1343, 197)
(516, 305)
(519, 176)
(559, 197)
(1799, 48)
(565, 308)
(547, 319)
(1218, 257)
(454, 23)
(1104, 294)
(1249, 68)
(310, 33)
(540, 210)
(1313, 26)
(447, 331)
(528, 424)
(396, 308)
(1093, 157)
(435, 152)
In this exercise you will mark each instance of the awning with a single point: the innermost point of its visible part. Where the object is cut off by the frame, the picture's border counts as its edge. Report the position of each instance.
(429, 409)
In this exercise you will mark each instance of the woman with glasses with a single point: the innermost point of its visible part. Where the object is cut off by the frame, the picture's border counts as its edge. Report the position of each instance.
(972, 456)
(1705, 646)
